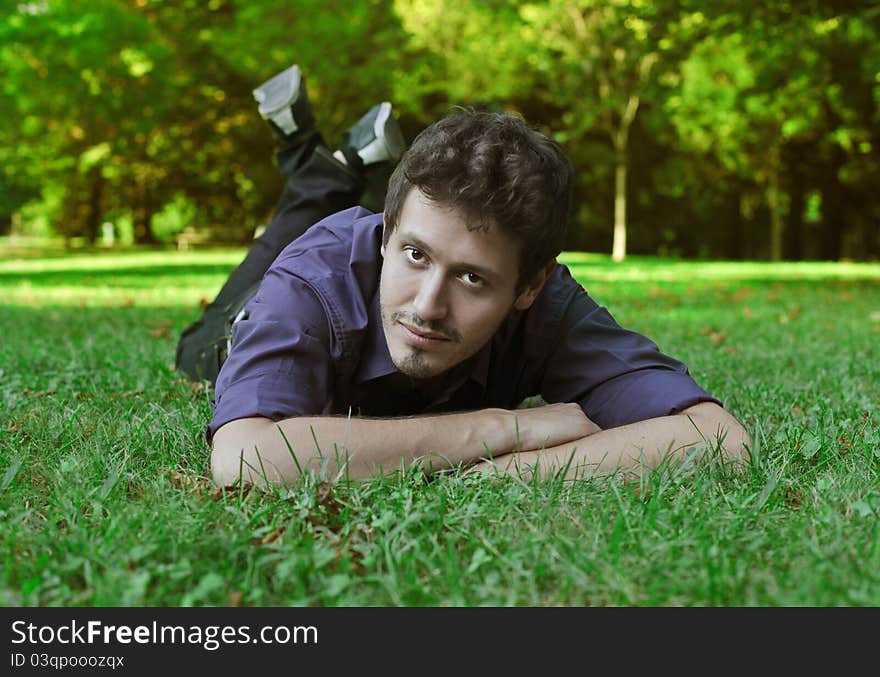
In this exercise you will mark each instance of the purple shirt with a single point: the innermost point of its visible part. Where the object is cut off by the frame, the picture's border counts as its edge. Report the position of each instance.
(313, 344)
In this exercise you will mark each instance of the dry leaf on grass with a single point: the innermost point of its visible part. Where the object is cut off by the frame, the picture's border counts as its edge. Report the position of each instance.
(230, 490)
(794, 498)
(195, 483)
(186, 482)
(718, 337)
(272, 537)
(715, 336)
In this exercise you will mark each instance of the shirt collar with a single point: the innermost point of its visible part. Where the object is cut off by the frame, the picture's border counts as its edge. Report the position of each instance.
(375, 357)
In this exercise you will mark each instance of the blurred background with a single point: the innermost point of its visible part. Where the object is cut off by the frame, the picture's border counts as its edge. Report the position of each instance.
(712, 129)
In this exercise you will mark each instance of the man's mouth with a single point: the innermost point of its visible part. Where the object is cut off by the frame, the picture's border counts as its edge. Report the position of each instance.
(418, 334)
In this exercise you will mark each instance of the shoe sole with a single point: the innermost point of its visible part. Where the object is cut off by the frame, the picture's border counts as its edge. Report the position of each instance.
(279, 92)
(388, 143)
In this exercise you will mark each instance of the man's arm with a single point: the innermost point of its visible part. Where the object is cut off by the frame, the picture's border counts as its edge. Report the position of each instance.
(261, 451)
(633, 447)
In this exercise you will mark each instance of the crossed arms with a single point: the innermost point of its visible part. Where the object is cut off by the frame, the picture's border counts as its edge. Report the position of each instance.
(544, 439)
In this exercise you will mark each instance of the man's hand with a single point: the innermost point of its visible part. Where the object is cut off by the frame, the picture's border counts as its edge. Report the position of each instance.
(704, 427)
(551, 425)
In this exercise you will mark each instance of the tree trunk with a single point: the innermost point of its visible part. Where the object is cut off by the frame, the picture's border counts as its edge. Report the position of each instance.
(142, 215)
(871, 238)
(735, 238)
(618, 248)
(797, 202)
(833, 207)
(96, 192)
(746, 225)
(774, 203)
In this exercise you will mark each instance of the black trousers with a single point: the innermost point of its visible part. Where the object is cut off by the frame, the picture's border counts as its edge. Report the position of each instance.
(316, 185)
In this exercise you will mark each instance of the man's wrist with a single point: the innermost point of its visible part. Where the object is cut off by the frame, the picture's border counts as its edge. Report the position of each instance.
(497, 433)
(513, 434)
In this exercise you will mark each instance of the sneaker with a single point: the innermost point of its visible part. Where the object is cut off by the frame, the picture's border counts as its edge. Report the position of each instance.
(283, 102)
(375, 138)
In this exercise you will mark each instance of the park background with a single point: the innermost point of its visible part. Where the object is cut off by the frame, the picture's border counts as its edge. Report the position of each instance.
(712, 129)
(723, 135)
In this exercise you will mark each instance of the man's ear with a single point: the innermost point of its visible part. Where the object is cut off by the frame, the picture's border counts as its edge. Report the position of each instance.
(528, 296)
(384, 227)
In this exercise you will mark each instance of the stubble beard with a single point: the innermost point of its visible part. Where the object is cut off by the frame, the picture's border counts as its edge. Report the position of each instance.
(414, 364)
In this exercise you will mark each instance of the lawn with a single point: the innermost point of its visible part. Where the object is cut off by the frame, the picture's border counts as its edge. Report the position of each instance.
(105, 501)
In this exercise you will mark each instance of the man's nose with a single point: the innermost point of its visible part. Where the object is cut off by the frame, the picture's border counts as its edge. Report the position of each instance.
(430, 302)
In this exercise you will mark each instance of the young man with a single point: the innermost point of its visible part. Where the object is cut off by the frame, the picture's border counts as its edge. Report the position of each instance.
(377, 341)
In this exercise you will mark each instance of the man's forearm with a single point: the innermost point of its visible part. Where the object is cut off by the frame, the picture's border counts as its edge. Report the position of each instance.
(260, 450)
(631, 448)
(552, 437)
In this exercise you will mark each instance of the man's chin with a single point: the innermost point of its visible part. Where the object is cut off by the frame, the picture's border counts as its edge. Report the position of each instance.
(415, 365)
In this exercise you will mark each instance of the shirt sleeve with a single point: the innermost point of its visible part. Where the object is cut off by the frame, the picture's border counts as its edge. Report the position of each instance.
(280, 363)
(616, 375)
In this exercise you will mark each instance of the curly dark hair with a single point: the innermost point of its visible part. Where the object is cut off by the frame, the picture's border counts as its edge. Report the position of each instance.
(495, 169)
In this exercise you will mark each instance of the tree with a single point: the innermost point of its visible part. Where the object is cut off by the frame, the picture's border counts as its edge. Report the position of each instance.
(590, 63)
(130, 103)
(761, 94)
(75, 72)
(600, 60)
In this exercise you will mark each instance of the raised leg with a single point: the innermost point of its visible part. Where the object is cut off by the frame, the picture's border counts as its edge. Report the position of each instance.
(317, 183)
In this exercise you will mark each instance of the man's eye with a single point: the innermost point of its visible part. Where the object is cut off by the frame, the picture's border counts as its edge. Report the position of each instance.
(472, 279)
(413, 255)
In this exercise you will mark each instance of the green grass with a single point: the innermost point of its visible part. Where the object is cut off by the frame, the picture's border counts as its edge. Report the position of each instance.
(104, 498)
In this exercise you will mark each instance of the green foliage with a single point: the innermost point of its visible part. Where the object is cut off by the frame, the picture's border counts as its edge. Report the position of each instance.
(726, 117)
(174, 217)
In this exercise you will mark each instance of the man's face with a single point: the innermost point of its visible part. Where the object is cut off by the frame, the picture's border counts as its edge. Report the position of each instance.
(444, 289)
